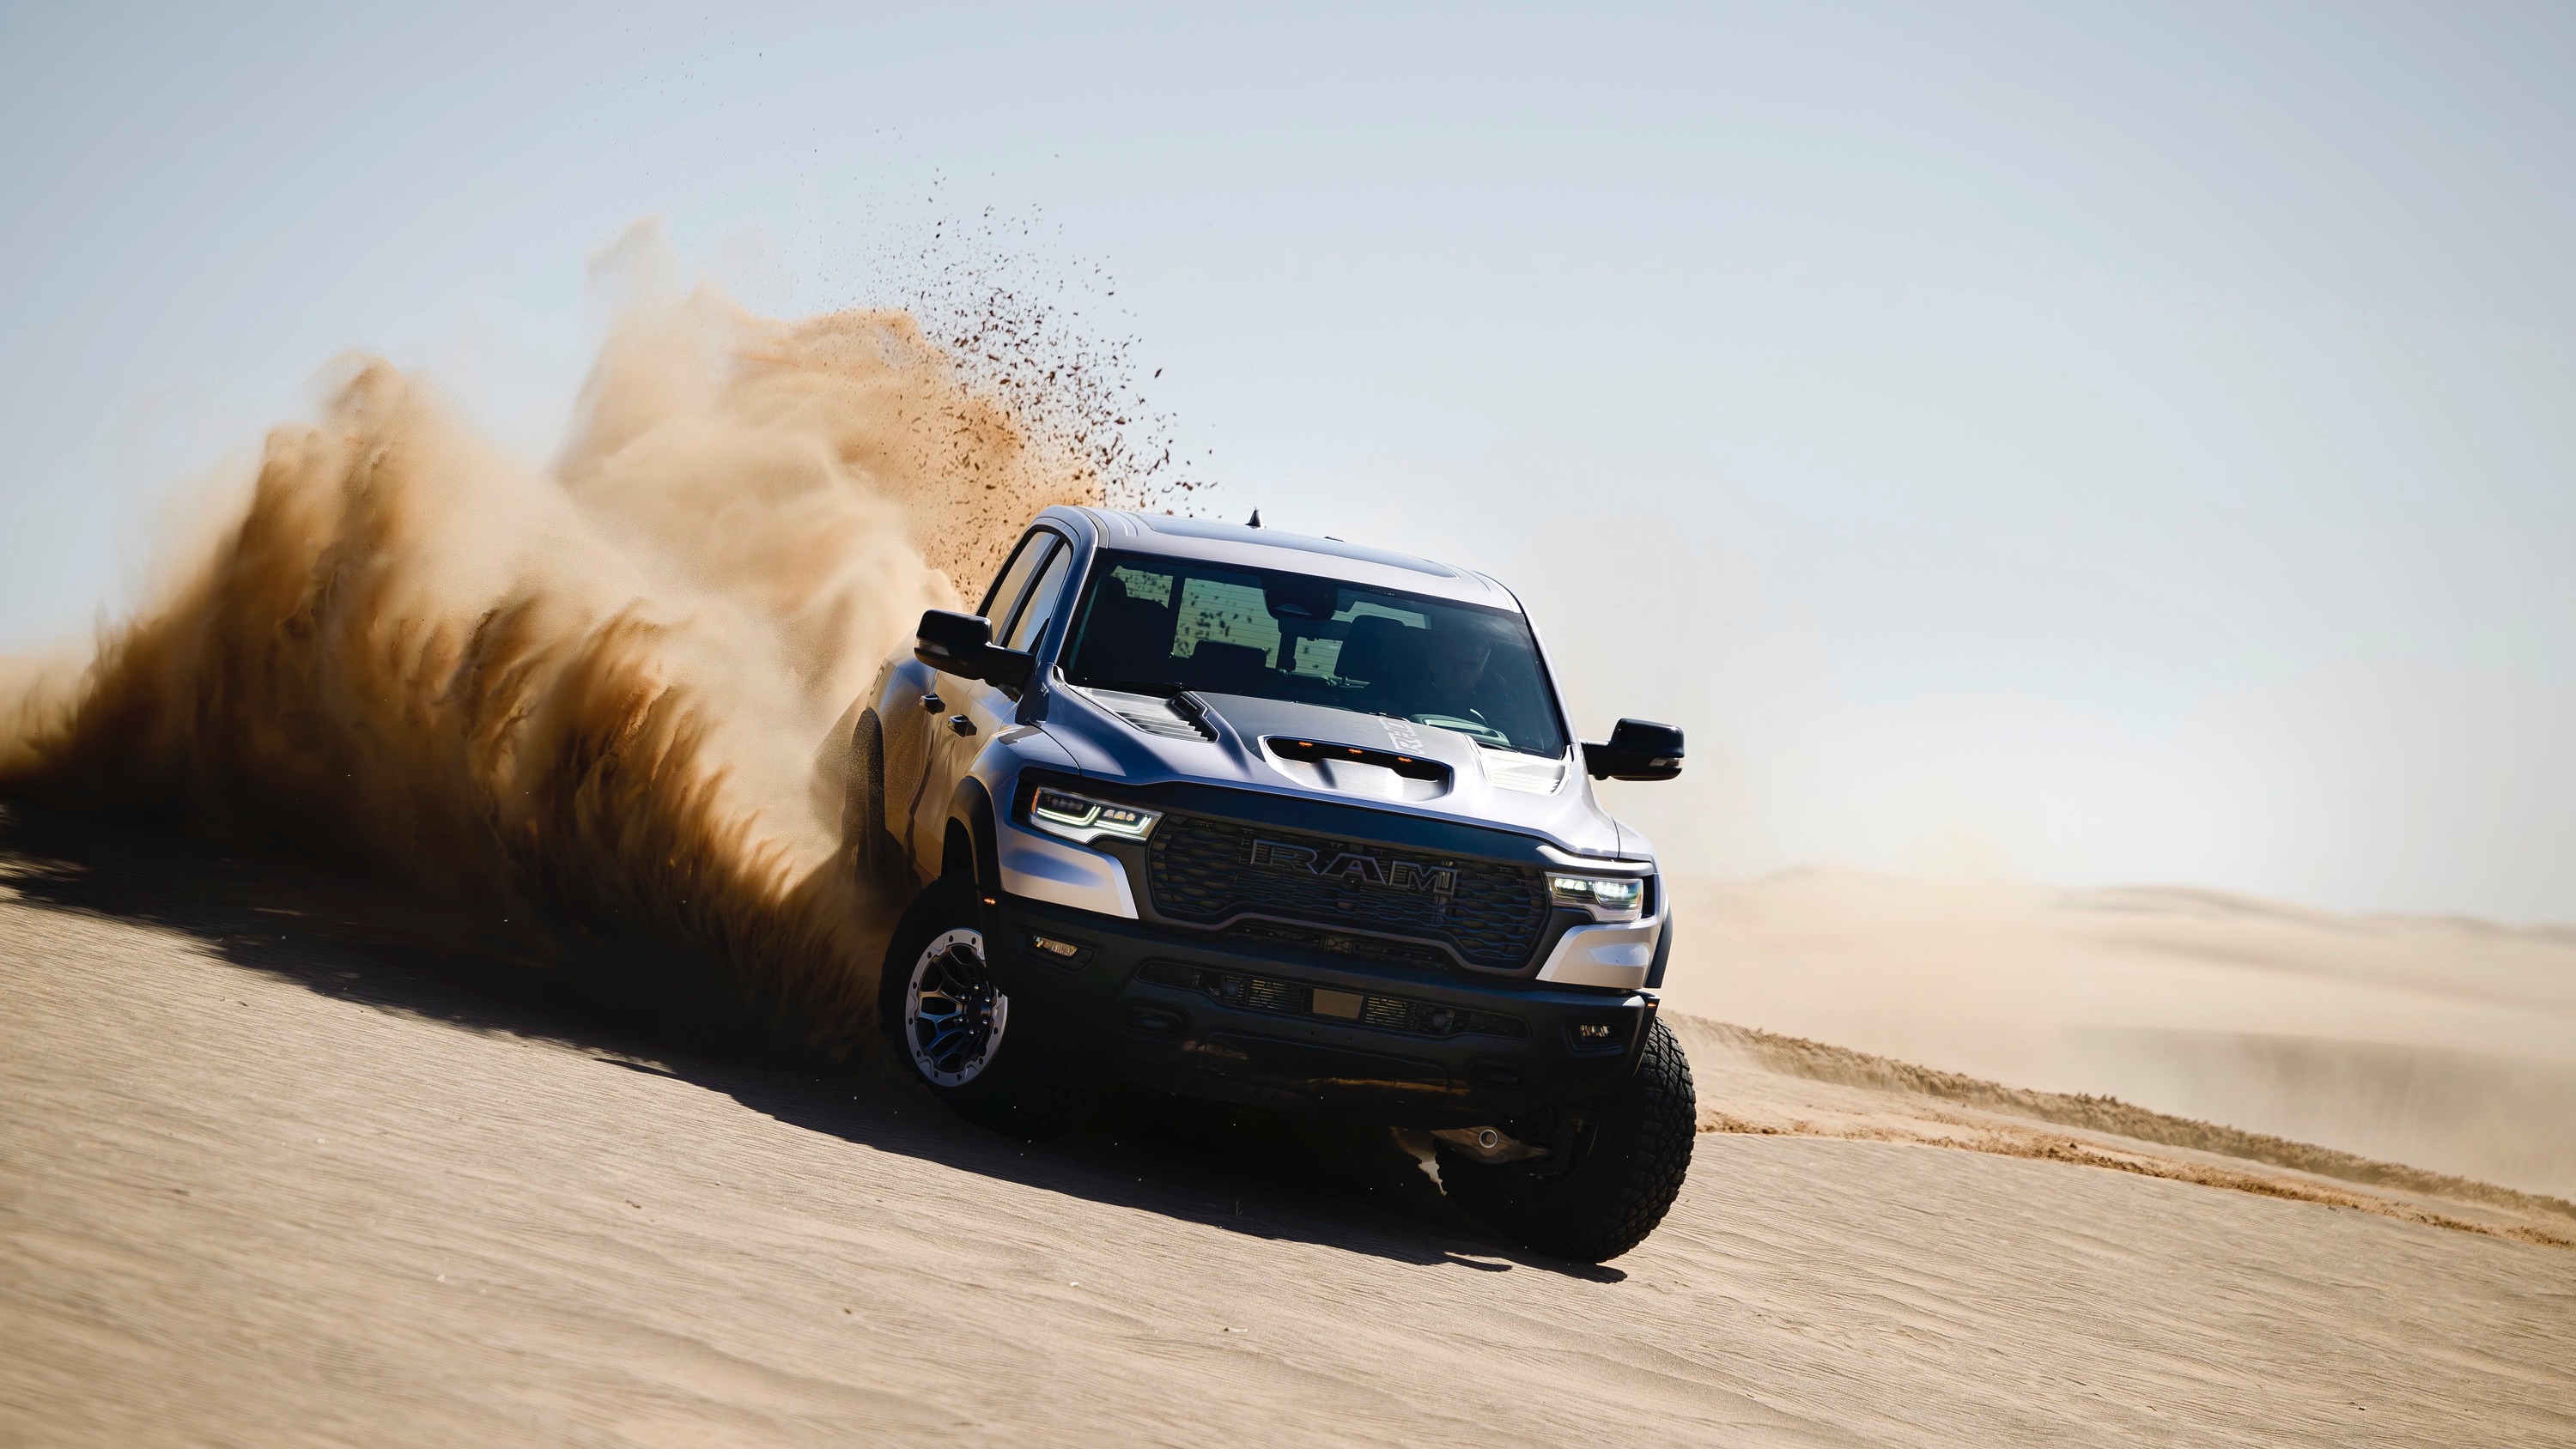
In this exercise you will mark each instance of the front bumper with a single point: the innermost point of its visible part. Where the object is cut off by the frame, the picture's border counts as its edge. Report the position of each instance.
(1271, 1024)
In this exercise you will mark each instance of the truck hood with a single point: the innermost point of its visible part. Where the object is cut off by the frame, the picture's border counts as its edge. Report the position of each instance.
(1284, 748)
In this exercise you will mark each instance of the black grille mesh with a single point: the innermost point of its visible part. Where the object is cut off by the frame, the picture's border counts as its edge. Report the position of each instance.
(1203, 870)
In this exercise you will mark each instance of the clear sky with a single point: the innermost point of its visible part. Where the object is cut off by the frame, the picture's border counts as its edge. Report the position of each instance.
(2087, 444)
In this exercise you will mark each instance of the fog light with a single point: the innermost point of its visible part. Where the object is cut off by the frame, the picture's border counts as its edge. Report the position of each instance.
(1596, 1038)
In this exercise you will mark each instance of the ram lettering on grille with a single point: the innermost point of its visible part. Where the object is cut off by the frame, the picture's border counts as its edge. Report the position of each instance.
(1402, 875)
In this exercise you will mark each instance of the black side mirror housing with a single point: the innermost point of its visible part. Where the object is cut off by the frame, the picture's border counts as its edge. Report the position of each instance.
(1638, 750)
(962, 644)
(952, 642)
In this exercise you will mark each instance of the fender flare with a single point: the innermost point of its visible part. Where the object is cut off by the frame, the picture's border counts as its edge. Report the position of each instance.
(971, 806)
(1663, 951)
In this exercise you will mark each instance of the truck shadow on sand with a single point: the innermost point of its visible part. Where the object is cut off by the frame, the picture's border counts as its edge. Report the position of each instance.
(1261, 1174)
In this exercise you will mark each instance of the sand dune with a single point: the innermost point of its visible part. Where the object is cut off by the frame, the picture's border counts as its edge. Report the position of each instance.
(2447, 1044)
(1759, 1082)
(283, 1167)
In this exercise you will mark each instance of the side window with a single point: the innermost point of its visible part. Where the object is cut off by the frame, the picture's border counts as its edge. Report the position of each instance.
(1015, 578)
(1035, 614)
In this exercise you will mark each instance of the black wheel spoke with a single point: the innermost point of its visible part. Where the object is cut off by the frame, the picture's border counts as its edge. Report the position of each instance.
(952, 1011)
(950, 1022)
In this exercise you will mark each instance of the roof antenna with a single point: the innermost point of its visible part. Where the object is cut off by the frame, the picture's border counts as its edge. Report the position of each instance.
(1256, 519)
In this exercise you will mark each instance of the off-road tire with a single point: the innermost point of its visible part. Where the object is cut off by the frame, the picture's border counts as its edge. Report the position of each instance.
(1604, 1187)
(873, 854)
(1029, 1087)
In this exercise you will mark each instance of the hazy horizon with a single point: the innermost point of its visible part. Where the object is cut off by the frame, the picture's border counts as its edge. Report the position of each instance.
(2087, 449)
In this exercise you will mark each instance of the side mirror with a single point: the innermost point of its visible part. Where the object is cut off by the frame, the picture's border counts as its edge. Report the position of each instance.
(1638, 750)
(962, 644)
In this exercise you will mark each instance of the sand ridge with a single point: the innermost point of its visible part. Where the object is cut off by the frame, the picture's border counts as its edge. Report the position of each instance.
(1763, 1083)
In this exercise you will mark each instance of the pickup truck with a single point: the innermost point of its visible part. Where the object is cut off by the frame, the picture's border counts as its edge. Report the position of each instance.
(1283, 821)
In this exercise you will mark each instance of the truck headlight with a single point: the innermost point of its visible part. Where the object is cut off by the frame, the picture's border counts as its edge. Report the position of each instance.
(1079, 817)
(1609, 898)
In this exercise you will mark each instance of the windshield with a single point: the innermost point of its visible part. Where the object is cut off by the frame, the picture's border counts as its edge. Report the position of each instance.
(1158, 624)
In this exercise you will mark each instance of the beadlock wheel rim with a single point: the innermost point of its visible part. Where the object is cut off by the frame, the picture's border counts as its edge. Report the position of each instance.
(952, 1017)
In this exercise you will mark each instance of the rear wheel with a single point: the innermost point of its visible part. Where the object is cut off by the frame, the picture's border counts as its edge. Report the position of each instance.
(1614, 1163)
(873, 857)
(952, 1024)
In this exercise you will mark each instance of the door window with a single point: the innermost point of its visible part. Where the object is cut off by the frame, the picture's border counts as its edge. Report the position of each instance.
(1043, 598)
(1014, 578)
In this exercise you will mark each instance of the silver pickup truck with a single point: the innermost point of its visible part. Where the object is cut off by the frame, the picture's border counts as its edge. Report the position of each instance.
(1282, 821)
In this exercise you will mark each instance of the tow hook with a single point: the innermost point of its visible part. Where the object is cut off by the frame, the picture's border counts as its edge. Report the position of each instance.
(1488, 1144)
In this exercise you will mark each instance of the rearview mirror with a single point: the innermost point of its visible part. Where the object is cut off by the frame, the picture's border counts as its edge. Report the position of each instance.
(1638, 750)
(962, 644)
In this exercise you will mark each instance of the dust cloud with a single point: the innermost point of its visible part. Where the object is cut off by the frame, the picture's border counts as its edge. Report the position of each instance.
(602, 694)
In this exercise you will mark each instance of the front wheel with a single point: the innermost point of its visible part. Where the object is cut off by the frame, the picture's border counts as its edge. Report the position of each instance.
(952, 1024)
(1614, 1163)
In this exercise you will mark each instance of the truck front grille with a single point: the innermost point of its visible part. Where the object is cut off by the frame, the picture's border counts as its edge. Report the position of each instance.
(1212, 871)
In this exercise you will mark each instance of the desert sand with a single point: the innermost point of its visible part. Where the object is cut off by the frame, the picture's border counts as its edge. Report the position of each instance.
(275, 1169)
(2438, 1041)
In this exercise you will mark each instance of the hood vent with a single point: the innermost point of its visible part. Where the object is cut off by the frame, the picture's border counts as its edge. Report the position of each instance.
(1358, 770)
(1529, 774)
(1165, 717)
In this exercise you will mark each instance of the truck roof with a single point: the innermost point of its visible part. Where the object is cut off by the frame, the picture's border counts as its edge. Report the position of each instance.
(1207, 541)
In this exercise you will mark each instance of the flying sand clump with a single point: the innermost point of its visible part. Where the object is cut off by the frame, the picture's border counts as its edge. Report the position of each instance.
(608, 694)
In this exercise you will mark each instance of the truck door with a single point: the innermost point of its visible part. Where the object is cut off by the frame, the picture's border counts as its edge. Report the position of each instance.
(971, 712)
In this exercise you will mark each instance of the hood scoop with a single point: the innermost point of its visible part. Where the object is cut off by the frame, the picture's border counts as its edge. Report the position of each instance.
(1358, 769)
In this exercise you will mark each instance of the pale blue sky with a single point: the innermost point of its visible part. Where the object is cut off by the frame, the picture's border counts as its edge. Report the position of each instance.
(2091, 446)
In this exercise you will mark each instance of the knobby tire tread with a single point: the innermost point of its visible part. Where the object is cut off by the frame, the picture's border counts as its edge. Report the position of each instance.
(1668, 1126)
(863, 832)
(1608, 1205)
